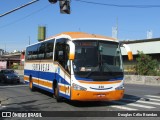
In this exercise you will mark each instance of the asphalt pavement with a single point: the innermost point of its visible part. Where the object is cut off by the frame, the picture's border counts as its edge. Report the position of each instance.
(138, 98)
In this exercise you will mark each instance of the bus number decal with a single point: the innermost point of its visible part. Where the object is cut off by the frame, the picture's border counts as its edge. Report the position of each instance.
(101, 87)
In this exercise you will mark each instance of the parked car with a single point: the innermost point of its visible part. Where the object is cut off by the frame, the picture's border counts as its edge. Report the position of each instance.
(9, 76)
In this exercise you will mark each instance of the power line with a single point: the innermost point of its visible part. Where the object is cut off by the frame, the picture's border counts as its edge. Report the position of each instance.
(122, 6)
(25, 16)
(19, 8)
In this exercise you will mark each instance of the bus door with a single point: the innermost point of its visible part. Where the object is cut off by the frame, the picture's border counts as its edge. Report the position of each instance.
(63, 70)
(67, 67)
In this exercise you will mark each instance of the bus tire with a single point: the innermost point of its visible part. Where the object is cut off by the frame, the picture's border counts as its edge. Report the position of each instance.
(56, 93)
(32, 88)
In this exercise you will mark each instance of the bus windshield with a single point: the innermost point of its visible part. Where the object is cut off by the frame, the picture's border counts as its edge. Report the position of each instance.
(97, 60)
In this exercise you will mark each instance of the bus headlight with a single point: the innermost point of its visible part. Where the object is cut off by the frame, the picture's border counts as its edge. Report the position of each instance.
(121, 87)
(78, 87)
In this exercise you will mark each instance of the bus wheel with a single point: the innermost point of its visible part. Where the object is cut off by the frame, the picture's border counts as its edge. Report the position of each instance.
(56, 93)
(32, 88)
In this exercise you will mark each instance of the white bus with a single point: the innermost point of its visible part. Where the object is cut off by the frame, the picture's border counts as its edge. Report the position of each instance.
(77, 66)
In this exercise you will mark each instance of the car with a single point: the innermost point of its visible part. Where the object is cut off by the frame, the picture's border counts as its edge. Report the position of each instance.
(9, 76)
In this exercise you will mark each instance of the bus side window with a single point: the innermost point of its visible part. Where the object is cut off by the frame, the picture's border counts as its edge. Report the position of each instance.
(49, 50)
(33, 52)
(41, 54)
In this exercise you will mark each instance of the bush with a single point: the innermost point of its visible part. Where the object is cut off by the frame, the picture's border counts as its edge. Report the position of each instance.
(146, 65)
(14, 66)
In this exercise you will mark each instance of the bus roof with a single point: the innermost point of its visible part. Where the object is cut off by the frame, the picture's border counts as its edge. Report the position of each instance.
(83, 35)
(80, 36)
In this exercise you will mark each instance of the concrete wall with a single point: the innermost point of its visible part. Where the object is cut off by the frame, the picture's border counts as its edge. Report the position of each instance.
(144, 80)
(20, 72)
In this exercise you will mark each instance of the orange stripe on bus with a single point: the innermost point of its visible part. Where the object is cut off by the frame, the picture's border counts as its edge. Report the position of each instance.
(45, 83)
(35, 80)
(39, 82)
(96, 96)
(63, 88)
(26, 78)
(105, 82)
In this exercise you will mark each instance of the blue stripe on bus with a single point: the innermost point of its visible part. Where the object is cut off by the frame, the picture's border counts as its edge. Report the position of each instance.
(46, 76)
(26, 82)
(42, 75)
(64, 95)
(87, 79)
(43, 88)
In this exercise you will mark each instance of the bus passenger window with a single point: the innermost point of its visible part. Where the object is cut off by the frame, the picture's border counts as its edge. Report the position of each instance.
(41, 51)
(49, 50)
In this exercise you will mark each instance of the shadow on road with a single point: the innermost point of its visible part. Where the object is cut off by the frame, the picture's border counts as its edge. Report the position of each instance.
(34, 104)
(84, 104)
(12, 84)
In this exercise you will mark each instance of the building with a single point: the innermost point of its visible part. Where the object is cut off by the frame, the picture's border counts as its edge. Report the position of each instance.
(11, 59)
(1, 52)
(147, 46)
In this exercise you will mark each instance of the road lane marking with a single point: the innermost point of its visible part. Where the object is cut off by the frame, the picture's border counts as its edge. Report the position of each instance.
(133, 104)
(153, 96)
(153, 99)
(140, 101)
(124, 108)
(146, 99)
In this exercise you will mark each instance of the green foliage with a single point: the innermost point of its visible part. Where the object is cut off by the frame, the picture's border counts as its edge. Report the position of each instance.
(14, 66)
(146, 65)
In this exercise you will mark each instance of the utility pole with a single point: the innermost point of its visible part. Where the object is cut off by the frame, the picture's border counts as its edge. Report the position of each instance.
(5, 48)
(149, 34)
(19, 8)
(115, 30)
(29, 40)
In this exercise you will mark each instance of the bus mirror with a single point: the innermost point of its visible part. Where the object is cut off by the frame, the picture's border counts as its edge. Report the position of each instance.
(129, 52)
(118, 51)
(71, 50)
(71, 56)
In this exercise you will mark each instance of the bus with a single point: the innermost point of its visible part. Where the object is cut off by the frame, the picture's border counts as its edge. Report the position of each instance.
(77, 66)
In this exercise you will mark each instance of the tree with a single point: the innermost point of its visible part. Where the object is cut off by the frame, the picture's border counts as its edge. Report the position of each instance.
(145, 64)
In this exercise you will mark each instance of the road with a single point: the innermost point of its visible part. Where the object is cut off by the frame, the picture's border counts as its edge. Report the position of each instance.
(18, 97)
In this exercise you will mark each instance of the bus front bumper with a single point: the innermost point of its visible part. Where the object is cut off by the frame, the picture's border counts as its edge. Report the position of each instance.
(96, 96)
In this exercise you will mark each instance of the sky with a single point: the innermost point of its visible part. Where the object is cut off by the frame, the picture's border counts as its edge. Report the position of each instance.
(133, 23)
